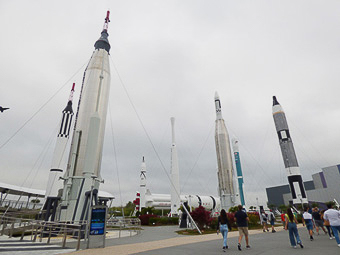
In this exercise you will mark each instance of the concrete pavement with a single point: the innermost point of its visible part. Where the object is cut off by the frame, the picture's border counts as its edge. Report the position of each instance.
(163, 240)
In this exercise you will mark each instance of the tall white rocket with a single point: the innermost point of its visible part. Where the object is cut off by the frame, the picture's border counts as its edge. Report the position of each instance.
(224, 160)
(142, 185)
(175, 188)
(83, 172)
(54, 184)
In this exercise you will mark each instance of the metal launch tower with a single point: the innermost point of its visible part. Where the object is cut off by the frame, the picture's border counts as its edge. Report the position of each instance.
(82, 178)
(175, 188)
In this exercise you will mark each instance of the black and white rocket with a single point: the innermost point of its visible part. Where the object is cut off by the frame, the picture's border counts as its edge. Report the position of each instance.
(82, 178)
(224, 160)
(288, 153)
(54, 184)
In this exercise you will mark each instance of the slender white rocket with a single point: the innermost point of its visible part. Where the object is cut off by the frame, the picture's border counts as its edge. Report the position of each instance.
(238, 170)
(54, 184)
(224, 160)
(175, 188)
(288, 153)
(142, 185)
(83, 173)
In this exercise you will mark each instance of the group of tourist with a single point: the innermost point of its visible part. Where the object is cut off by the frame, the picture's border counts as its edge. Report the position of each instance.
(311, 218)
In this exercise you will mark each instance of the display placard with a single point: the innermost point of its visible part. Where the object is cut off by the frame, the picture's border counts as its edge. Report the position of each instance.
(97, 228)
(98, 219)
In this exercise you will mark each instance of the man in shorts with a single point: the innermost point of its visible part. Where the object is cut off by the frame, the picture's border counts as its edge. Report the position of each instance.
(318, 221)
(242, 219)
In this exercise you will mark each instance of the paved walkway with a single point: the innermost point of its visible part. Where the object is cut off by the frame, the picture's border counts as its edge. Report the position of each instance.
(163, 240)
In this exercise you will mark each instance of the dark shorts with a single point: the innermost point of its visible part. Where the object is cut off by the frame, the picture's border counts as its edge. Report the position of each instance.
(319, 223)
(309, 226)
(272, 222)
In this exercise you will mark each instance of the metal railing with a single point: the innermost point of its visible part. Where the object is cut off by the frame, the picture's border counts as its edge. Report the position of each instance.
(133, 225)
(15, 204)
(43, 230)
(19, 225)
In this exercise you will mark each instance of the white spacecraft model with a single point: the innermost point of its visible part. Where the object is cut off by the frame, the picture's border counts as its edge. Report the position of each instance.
(288, 154)
(82, 178)
(175, 198)
(224, 160)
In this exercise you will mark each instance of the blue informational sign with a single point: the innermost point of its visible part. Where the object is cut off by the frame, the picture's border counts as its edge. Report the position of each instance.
(98, 218)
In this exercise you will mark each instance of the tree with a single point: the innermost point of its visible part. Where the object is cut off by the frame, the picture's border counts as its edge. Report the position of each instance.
(233, 209)
(271, 206)
(283, 208)
(201, 217)
(315, 204)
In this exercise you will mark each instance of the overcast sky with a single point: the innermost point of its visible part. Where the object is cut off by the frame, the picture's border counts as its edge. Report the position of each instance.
(170, 57)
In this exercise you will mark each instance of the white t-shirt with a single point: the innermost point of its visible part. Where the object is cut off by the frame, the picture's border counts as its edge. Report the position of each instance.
(333, 216)
(307, 216)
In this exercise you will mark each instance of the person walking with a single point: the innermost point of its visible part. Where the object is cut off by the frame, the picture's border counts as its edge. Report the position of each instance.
(283, 216)
(308, 221)
(223, 226)
(242, 219)
(327, 225)
(272, 220)
(264, 218)
(334, 220)
(291, 222)
(318, 221)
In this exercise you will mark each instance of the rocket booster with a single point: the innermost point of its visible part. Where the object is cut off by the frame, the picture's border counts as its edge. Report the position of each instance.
(288, 153)
(83, 172)
(224, 159)
(63, 135)
(175, 188)
(238, 169)
(142, 185)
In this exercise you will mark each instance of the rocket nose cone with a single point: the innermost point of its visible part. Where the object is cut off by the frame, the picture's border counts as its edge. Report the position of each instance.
(275, 102)
(216, 96)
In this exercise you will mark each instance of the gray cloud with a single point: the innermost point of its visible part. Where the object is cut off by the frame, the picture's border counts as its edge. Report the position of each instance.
(172, 56)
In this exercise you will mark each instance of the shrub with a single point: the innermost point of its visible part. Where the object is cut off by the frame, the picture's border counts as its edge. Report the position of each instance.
(145, 219)
(201, 217)
(213, 223)
(253, 219)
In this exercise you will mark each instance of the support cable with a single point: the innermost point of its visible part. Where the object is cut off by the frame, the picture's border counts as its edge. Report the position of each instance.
(153, 146)
(116, 161)
(41, 107)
